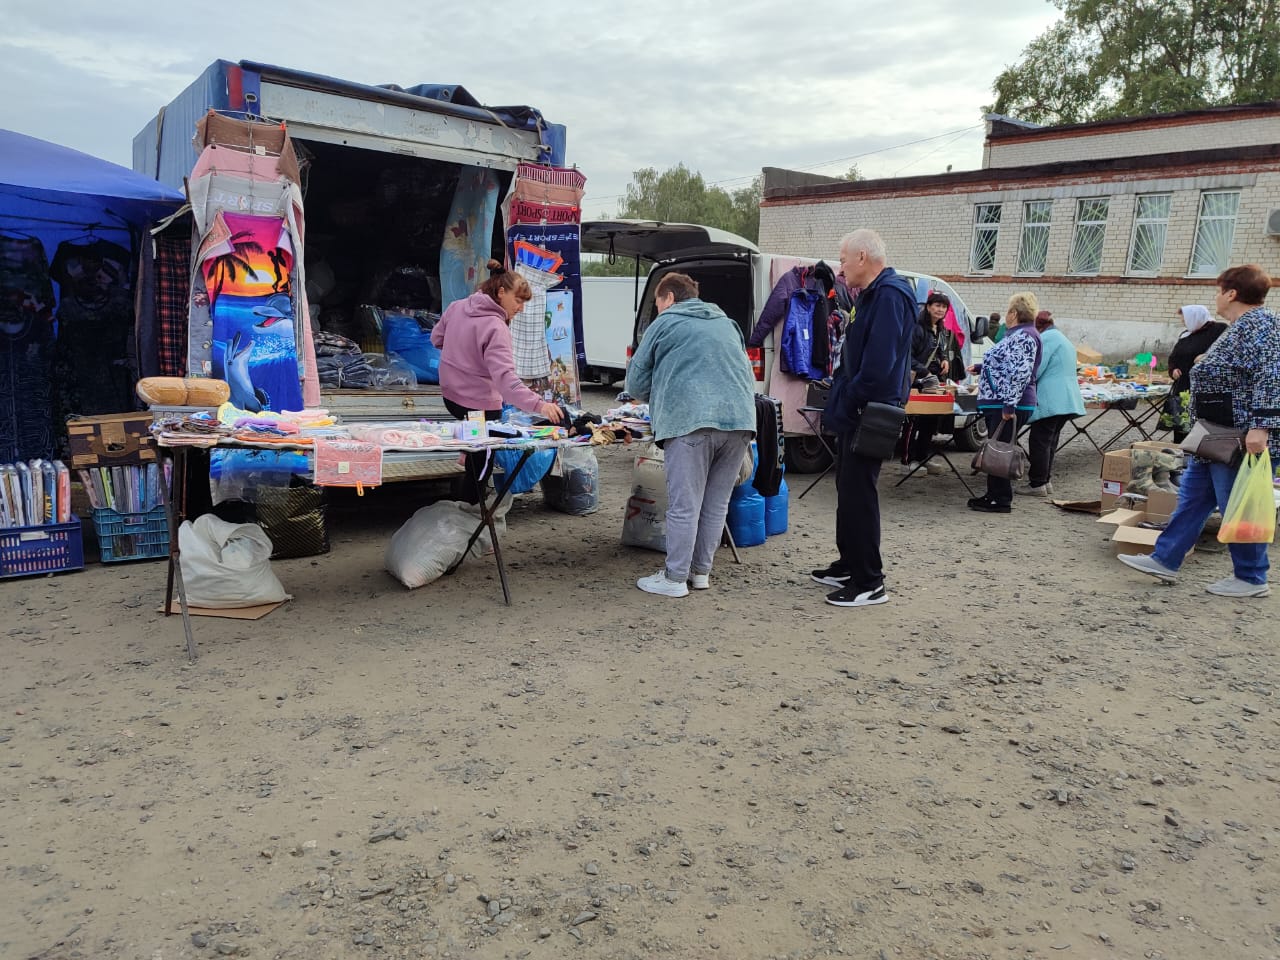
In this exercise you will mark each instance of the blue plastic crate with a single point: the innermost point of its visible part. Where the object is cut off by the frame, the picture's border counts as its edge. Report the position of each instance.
(131, 536)
(32, 551)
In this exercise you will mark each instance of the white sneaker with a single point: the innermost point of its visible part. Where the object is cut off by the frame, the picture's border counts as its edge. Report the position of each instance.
(935, 469)
(1044, 490)
(700, 581)
(1150, 566)
(1235, 587)
(659, 584)
(911, 467)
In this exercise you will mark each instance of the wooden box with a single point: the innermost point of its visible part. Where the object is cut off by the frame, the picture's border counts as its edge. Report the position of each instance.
(111, 440)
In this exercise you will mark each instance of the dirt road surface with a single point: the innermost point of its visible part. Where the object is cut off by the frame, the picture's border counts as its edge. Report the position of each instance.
(1030, 752)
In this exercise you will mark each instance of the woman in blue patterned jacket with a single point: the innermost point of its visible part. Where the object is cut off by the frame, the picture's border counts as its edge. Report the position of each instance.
(1007, 391)
(1236, 383)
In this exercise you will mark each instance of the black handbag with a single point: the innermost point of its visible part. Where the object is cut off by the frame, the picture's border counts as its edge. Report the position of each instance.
(876, 434)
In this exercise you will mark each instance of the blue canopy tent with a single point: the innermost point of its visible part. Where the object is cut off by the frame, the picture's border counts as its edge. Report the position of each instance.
(54, 203)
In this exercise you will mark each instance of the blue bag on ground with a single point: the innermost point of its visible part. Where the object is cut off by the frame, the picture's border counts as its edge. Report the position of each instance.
(746, 510)
(535, 468)
(776, 510)
(410, 337)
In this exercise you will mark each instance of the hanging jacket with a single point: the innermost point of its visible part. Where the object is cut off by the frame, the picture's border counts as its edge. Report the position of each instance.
(769, 446)
(818, 287)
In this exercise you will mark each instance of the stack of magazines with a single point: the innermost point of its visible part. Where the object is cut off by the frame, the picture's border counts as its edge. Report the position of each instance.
(34, 493)
(134, 489)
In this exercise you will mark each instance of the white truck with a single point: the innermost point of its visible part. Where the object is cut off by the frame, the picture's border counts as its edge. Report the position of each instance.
(608, 322)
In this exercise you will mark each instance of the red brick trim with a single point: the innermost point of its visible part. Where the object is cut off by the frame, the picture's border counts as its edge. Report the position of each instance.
(1216, 162)
(1090, 280)
(1251, 111)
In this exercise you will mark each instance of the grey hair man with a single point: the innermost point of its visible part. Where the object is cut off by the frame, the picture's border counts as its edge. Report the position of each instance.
(874, 362)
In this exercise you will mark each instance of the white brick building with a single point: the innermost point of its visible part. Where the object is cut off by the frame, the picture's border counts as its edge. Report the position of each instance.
(1113, 225)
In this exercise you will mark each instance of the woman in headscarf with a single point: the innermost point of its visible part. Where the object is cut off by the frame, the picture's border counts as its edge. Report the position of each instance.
(1202, 330)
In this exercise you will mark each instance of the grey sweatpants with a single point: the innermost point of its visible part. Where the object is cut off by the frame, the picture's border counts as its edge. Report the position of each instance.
(702, 469)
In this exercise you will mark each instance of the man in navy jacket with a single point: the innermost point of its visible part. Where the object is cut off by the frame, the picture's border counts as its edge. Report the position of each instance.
(875, 359)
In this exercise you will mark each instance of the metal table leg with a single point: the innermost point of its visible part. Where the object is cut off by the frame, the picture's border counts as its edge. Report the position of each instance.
(174, 501)
(487, 510)
(815, 424)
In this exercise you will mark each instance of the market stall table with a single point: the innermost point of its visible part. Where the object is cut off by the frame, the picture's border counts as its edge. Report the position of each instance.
(932, 405)
(175, 501)
(1137, 407)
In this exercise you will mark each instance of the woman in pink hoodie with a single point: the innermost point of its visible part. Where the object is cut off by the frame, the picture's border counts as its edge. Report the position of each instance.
(477, 366)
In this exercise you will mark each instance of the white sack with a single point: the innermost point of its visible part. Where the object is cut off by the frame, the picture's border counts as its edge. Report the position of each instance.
(432, 540)
(645, 522)
(227, 564)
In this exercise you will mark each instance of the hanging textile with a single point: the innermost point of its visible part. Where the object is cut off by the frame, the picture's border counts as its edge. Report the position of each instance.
(172, 289)
(564, 370)
(247, 168)
(95, 366)
(246, 263)
(529, 326)
(468, 234)
(26, 345)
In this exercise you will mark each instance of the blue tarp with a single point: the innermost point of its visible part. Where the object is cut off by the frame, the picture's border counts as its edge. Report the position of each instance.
(51, 184)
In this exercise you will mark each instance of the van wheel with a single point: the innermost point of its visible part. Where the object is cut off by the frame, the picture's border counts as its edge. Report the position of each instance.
(806, 455)
(972, 436)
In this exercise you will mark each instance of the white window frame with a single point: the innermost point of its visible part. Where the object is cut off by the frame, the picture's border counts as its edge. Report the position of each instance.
(1200, 219)
(1075, 235)
(1038, 226)
(1144, 222)
(980, 227)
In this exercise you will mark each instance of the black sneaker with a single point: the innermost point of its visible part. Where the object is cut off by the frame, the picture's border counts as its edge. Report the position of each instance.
(831, 576)
(984, 505)
(851, 596)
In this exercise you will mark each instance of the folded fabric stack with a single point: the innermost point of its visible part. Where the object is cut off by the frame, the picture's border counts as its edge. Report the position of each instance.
(341, 363)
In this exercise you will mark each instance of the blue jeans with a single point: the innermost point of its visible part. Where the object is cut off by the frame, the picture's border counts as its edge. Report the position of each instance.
(1205, 486)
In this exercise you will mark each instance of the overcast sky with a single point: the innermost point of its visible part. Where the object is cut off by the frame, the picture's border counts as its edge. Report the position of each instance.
(727, 88)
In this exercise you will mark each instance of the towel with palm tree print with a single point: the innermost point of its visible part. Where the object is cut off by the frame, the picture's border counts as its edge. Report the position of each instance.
(247, 262)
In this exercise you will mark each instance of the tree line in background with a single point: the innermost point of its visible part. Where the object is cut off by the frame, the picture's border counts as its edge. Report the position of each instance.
(1129, 58)
(1102, 59)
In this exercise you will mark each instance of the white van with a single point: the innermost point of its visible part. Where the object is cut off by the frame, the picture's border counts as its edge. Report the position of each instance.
(608, 323)
(733, 274)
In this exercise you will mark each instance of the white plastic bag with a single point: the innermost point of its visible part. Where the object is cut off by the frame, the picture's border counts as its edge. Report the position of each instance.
(645, 522)
(227, 564)
(432, 540)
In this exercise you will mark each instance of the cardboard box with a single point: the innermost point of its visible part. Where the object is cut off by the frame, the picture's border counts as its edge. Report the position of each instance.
(1086, 354)
(111, 440)
(929, 404)
(1130, 536)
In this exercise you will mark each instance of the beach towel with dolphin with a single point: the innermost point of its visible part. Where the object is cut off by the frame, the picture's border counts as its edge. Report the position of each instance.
(248, 273)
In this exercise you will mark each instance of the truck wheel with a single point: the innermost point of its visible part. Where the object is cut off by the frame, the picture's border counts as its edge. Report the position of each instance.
(806, 454)
(972, 436)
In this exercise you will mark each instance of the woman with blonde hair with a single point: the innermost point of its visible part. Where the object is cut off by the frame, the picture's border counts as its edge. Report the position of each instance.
(1007, 390)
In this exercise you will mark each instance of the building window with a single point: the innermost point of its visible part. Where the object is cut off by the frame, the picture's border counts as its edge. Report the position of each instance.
(1033, 249)
(1215, 232)
(1150, 227)
(986, 229)
(1091, 230)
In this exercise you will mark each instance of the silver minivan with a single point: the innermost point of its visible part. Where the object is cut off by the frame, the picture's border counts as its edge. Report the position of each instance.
(733, 274)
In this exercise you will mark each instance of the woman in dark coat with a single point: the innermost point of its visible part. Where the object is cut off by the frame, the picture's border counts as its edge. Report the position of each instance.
(1202, 330)
(933, 351)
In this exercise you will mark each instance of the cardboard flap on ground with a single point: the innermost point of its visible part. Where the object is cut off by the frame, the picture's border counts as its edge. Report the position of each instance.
(1086, 354)
(1129, 536)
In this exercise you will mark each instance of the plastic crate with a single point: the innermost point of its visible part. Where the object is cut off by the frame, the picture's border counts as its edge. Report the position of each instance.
(31, 551)
(131, 536)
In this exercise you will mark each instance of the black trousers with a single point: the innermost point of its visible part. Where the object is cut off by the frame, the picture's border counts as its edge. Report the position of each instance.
(1042, 443)
(920, 444)
(467, 487)
(858, 516)
(998, 488)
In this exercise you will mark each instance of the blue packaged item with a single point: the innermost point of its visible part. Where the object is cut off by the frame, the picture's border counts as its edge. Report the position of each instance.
(409, 337)
(776, 510)
(535, 468)
(746, 510)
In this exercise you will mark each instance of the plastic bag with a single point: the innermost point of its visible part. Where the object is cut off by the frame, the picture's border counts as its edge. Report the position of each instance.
(576, 491)
(227, 564)
(1251, 509)
(409, 337)
(389, 372)
(433, 540)
(645, 521)
(534, 469)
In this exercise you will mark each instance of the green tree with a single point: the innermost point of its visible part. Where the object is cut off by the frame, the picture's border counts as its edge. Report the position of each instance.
(680, 195)
(853, 173)
(1116, 58)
